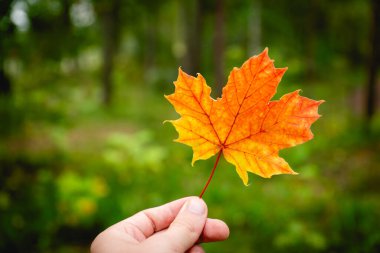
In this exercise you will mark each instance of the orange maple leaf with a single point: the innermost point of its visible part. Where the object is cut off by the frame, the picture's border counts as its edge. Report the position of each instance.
(243, 124)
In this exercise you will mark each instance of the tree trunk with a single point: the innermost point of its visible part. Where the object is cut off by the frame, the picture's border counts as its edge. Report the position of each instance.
(194, 32)
(254, 29)
(65, 15)
(6, 32)
(373, 62)
(150, 47)
(110, 20)
(311, 29)
(5, 83)
(219, 47)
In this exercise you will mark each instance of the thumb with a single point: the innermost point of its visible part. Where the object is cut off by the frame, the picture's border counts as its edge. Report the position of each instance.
(185, 230)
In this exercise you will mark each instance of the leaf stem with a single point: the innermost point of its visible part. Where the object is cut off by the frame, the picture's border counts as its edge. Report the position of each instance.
(211, 174)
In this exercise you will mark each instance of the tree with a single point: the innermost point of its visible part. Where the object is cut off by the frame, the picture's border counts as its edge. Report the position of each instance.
(373, 62)
(219, 46)
(6, 33)
(109, 13)
(195, 30)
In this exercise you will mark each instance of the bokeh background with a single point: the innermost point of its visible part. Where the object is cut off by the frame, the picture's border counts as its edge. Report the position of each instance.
(82, 144)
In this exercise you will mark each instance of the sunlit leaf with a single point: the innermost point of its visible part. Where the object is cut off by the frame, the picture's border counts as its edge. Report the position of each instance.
(243, 124)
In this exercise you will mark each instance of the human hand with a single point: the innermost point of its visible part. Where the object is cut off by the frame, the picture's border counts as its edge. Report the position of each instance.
(175, 227)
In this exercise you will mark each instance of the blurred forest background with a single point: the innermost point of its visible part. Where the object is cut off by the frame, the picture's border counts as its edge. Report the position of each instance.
(82, 144)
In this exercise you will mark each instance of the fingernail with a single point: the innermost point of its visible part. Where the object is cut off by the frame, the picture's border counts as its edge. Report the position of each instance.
(196, 206)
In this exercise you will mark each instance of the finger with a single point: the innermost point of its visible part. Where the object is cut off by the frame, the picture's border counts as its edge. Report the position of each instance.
(112, 241)
(185, 230)
(214, 230)
(196, 249)
(143, 224)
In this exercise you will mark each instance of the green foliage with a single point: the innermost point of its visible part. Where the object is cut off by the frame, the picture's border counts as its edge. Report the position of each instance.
(70, 167)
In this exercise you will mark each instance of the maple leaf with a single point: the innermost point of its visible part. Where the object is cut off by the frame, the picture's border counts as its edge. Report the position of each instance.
(243, 124)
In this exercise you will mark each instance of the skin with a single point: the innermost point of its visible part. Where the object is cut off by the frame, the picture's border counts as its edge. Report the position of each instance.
(176, 227)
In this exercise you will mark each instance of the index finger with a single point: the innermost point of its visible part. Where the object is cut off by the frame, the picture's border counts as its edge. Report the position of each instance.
(145, 223)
